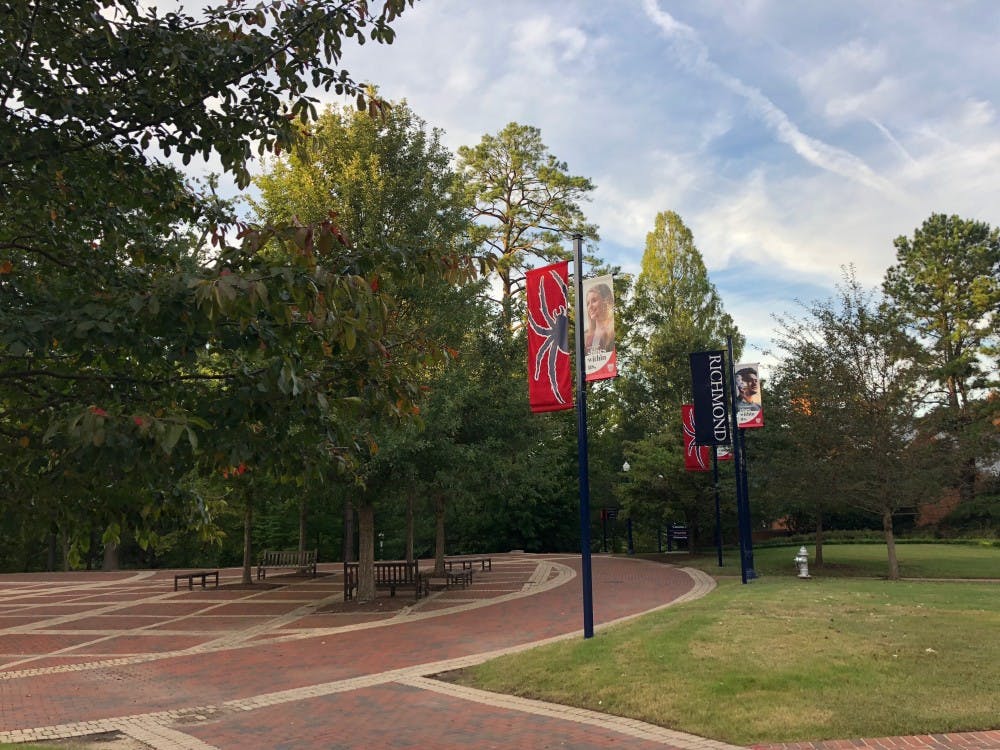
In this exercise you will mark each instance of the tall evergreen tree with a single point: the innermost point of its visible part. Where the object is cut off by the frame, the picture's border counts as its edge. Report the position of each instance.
(946, 285)
(675, 310)
(528, 205)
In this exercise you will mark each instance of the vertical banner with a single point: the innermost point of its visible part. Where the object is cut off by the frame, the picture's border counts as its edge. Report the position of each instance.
(601, 359)
(549, 376)
(696, 457)
(749, 413)
(708, 381)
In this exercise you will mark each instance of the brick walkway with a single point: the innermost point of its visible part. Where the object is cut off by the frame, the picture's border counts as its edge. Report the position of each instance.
(291, 665)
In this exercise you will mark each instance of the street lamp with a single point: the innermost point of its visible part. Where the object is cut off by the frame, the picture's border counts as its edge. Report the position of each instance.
(631, 549)
(381, 544)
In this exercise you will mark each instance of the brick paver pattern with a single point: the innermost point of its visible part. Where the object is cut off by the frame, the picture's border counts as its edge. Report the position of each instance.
(291, 665)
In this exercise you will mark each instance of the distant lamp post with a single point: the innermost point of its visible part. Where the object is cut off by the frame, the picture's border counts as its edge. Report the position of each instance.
(631, 548)
(381, 545)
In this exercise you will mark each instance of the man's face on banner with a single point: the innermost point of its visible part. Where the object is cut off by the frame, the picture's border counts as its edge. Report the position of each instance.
(749, 385)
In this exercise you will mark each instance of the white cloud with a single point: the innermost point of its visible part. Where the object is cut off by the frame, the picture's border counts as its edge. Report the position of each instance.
(799, 137)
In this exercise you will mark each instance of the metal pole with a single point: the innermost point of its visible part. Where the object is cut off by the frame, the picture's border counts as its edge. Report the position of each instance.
(747, 520)
(718, 511)
(581, 430)
(737, 457)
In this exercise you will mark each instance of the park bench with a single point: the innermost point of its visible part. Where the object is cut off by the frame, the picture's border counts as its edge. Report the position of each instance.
(451, 578)
(204, 575)
(304, 560)
(389, 574)
(467, 563)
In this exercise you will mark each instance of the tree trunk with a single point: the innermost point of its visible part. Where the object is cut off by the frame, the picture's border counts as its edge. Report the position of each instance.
(818, 562)
(890, 543)
(53, 549)
(302, 524)
(95, 539)
(110, 561)
(247, 544)
(409, 526)
(439, 534)
(967, 480)
(349, 555)
(366, 552)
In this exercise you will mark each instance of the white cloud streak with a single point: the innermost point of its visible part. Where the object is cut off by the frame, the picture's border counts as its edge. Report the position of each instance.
(692, 53)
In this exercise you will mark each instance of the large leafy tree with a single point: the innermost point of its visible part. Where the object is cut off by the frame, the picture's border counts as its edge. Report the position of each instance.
(527, 203)
(121, 328)
(946, 286)
(850, 373)
(389, 182)
(675, 310)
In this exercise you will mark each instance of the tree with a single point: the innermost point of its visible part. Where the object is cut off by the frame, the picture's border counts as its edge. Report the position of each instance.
(946, 286)
(389, 182)
(675, 310)
(119, 323)
(850, 375)
(527, 203)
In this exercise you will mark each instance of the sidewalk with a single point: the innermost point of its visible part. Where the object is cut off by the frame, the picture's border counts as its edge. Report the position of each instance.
(294, 666)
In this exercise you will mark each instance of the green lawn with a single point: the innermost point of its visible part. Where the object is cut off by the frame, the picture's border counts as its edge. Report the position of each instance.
(867, 560)
(783, 659)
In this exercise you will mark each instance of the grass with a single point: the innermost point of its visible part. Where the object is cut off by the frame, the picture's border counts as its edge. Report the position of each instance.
(860, 560)
(783, 660)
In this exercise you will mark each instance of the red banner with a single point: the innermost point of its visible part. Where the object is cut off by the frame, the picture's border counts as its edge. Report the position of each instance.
(549, 377)
(696, 457)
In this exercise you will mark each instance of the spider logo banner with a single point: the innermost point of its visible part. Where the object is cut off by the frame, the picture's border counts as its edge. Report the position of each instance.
(549, 378)
(698, 457)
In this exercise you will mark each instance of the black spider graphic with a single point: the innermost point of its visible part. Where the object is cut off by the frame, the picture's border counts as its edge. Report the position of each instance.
(693, 450)
(555, 334)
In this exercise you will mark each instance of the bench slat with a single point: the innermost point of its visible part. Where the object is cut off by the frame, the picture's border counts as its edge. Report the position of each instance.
(286, 559)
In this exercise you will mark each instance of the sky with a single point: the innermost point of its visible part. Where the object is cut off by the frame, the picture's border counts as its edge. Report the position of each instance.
(793, 138)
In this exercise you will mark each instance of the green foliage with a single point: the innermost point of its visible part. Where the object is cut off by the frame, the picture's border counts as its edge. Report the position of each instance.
(946, 287)
(126, 337)
(946, 284)
(527, 203)
(675, 310)
(848, 408)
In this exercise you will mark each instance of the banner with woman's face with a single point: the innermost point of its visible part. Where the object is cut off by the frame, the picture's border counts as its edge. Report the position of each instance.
(749, 413)
(600, 358)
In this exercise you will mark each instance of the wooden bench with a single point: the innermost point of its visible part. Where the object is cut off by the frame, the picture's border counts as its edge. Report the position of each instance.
(305, 560)
(451, 578)
(389, 574)
(467, 563)
(204, 575)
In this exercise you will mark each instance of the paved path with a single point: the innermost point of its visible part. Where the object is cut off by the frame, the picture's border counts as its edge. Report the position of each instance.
(294, 666)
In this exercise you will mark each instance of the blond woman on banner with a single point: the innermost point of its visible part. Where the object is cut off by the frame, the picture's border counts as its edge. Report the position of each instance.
(601, 360)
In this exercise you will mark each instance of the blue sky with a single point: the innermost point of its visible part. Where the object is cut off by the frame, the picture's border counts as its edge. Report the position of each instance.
(793, 138)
